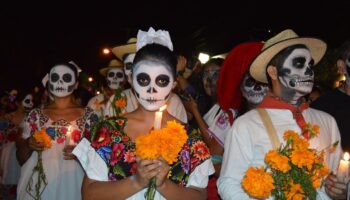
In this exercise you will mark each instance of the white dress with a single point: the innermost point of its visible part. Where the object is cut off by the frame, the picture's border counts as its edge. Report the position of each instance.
(64, 177)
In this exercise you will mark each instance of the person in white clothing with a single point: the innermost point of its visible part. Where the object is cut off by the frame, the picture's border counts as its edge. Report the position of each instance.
(285, 62)
(104, 103)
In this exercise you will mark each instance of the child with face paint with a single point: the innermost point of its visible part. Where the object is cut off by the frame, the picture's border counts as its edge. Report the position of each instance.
(153, 78)
(103, 104)
(285, 63)
(126, 53)
(9, 167)
(61, 117)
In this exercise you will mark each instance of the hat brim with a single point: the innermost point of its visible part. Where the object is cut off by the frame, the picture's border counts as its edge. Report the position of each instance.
(120, 51)
(258, 67)
(104, 71)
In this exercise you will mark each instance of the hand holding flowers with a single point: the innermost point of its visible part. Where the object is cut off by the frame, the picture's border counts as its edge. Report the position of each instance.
(293, 171)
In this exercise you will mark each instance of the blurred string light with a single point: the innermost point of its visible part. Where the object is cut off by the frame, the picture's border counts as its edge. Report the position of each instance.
(106, 51)
(90, 79)
(98, 92)
(203, 57)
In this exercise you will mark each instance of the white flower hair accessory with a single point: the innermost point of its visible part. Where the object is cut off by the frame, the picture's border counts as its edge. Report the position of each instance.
(151, 36)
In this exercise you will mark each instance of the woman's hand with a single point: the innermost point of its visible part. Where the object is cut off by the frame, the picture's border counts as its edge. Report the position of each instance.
(34, 145)
(146, 169)
(67, 152)
(163, 170)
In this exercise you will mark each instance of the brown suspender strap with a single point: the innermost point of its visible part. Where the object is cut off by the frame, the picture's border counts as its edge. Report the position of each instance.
(270, 128)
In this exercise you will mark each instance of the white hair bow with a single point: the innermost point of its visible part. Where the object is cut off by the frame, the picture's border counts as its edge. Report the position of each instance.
(151, 36)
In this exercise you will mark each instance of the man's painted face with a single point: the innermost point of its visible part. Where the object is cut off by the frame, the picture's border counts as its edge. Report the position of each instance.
(252, 90)
(27, 102)
(210, 78)
(128, 65)
(152, 82)
(115, 78)
(62, 81)
(296, 75)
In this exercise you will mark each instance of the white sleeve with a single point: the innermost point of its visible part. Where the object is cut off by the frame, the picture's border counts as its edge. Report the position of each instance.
(91, 162)
(200, 176)
(236, 160)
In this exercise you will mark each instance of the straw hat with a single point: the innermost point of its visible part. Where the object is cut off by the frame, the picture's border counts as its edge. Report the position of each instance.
(121, 50)
(279, 42)
(112, 64)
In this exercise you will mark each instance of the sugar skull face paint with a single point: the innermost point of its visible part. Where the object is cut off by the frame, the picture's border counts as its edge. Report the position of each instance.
(115, 78)
(296, 75)
(61, 81)
(210, 78)
(152, 82)
(27, 102)
(128, 65)
(252, 90)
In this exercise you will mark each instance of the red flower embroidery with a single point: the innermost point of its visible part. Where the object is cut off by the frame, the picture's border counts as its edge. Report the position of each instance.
(102, 138)
(125, 138)
(133, 168)
(200, 150)
(117, 153)
(63, 130)
(60, 140)
(194, 163)
(116, 132)
(76, 136)
(130, 156)
(120, 122)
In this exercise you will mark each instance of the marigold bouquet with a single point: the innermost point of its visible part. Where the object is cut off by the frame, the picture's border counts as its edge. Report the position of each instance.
(42, 137)
(293, 171)
(166, 143)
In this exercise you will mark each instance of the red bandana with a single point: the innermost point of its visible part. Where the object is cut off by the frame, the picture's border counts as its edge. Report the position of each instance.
(277, 103)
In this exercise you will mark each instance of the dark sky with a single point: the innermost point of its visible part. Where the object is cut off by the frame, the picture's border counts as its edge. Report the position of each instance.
(34, 35)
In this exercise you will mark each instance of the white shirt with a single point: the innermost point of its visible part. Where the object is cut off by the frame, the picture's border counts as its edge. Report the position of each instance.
(248, 142)
(100, 109)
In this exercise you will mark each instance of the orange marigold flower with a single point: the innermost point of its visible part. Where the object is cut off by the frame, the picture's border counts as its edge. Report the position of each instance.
(316, 182)
(166, 143)
(303, 158)
(296, 192)
(42, 137)
(258, 183)
(120, 103)
(277, 161)
(290, 134)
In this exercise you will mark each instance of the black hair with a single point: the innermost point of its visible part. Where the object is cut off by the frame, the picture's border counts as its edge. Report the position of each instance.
(214, 61)
(280, 57)
(70, 66)
(157, 52)
(344, 50)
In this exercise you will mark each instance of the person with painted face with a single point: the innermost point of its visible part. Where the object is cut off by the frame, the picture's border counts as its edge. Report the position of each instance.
(65, 121)
(103, 104)
(126, 53)
(285, 62)
(9, 167)
(337, 101)
(153, 78)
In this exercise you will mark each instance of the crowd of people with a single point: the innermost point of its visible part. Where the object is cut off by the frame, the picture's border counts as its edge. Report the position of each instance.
(56, 145)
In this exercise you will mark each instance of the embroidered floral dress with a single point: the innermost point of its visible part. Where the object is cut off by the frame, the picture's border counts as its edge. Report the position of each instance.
(116, 149)
(64, 177)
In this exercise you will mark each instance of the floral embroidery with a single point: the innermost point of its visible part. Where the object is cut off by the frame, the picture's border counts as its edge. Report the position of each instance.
(118, 151)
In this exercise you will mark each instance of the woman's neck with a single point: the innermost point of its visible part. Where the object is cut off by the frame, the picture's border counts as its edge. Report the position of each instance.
(64, 102)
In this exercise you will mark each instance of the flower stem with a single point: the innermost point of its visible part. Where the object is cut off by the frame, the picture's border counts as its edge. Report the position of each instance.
(151, 190)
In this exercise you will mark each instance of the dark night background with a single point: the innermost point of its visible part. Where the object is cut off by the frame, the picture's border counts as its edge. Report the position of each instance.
(32, 35)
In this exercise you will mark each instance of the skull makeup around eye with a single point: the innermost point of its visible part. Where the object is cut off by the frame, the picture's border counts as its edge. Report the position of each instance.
(347, 70)
(115, 78)
(128, 65)
(296, 74)
(61, 81)
(210, 77)
(253, 91)
(27, 102)
(152, 82)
